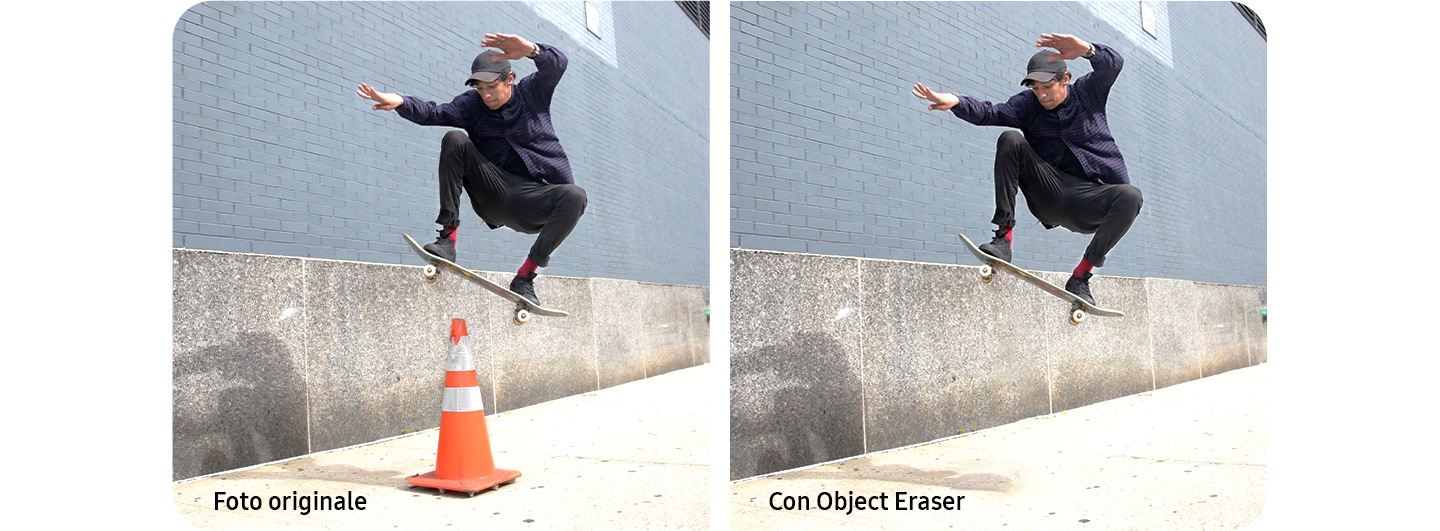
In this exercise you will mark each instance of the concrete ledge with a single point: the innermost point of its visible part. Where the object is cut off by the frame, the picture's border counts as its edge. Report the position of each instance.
(276, 357)
(833, 357)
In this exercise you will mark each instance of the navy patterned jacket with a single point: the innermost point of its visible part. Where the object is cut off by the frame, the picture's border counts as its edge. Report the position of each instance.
(522, 123)
(1078, 123)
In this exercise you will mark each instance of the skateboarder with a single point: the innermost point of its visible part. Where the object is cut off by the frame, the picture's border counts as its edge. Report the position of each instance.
(508, 158)
(1064, 158)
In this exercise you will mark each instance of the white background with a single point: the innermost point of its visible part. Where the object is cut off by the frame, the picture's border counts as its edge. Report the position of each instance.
(87, 199)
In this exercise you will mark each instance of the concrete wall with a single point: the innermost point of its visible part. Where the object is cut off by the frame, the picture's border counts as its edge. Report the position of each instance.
(274, 153)
(831, 154)
(834, 356)
(276, 357)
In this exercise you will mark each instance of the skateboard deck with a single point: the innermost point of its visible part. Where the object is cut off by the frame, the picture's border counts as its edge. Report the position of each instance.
(1078, 307)
(523, 308)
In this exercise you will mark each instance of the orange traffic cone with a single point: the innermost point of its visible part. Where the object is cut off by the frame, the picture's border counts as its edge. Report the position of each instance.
(463, 463)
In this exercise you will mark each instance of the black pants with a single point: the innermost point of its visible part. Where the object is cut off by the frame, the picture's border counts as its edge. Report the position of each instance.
(1061, 200)
(506, 200)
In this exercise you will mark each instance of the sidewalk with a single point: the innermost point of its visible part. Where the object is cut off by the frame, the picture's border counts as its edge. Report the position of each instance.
(1190, 456)
(634, 456)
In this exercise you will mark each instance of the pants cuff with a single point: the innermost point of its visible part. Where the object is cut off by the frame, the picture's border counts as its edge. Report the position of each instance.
(1097, 262)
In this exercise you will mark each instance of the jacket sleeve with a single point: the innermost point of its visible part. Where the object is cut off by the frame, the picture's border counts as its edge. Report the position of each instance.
(1015, 112)
(1106, 65)
(549, 67)
(424, 112)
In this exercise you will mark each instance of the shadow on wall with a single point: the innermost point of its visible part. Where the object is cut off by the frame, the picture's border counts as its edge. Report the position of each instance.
(787, 423)
(259, 413)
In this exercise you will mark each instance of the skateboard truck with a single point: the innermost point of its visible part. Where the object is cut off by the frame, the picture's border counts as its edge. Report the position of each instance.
(522, 315)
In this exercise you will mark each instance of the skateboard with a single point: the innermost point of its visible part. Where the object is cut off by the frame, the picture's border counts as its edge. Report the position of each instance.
(523, 308)
(1078, 308)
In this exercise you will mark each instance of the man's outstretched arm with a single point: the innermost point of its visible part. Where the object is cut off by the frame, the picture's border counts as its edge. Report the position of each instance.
(1104, 60)
(1068, 46)
(417, 110)
(549, 62)
(939, 101)
(972, 110)
(384, 101)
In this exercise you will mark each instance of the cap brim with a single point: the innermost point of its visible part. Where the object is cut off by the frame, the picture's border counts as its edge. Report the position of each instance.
(1039, 77)
(483, 77)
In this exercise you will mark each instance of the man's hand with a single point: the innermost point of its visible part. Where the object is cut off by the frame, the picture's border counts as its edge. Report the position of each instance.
(940, 101)
(385, 101)
(1069, 46)
(512, 46)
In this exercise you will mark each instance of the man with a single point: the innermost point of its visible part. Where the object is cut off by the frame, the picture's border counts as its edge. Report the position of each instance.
(508, 158)
(1066, 162)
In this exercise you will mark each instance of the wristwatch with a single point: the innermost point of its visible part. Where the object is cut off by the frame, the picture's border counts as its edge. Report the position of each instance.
(1089, 53)
(536, 52)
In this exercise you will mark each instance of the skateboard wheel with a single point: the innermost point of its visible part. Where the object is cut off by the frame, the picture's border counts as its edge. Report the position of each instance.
(987, 273)
(522, 316)
(1077, 316)
(430, 273)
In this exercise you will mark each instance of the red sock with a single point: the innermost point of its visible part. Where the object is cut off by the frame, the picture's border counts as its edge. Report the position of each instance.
(527, 269)
(1009, 234)
(1084, 267)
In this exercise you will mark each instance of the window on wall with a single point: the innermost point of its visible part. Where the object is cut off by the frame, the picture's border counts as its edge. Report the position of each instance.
(699, 13)
(1253, 18)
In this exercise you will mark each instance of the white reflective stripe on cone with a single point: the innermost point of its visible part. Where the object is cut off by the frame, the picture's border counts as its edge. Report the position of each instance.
(461, 359)
(464, 399)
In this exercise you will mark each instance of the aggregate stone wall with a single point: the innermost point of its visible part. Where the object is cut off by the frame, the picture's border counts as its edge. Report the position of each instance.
(276, 357)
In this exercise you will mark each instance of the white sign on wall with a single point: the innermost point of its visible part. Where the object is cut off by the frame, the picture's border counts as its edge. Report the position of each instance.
(1147, 19)
(592, 18)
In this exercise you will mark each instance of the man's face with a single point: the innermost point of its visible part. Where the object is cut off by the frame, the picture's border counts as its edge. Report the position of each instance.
(1052, 93)
(496, 93)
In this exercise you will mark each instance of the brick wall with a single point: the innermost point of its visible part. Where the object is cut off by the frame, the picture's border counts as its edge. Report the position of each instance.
(831, 154)
(275, 154)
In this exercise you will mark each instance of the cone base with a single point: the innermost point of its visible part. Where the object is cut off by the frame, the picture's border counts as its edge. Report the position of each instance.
(470, 485)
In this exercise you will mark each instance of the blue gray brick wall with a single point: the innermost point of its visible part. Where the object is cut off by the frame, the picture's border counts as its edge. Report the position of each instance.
(274, 153)
(831, 154)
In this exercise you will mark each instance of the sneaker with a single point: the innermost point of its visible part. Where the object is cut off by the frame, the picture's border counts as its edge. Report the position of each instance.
(444, 246)
(525, 287)
(1080, 287)
(998, 247)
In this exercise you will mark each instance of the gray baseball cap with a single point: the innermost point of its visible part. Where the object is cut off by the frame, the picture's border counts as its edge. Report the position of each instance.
(484, 70)
(1041, 69)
